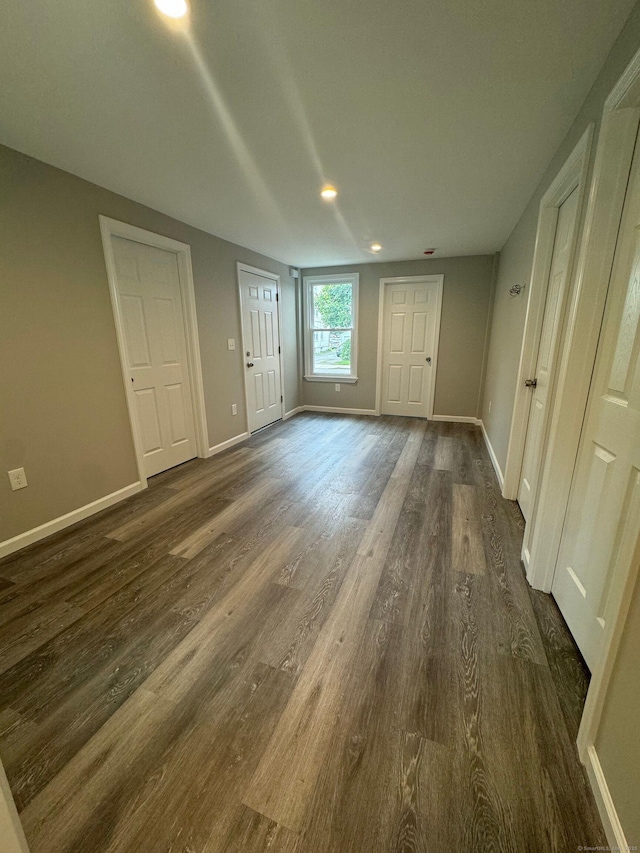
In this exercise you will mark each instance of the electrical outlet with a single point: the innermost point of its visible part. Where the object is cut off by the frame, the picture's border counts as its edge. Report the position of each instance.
(231, 343)
(18, 479)
(234, 408)
(337, 387)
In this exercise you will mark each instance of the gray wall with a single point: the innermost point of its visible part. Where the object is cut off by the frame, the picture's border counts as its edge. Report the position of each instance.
(517, 255)
(64, 415)
(465, 309)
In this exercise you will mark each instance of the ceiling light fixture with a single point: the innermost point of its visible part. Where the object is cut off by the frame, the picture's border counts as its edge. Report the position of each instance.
(172, 8)
(376, 247)
(328, 193)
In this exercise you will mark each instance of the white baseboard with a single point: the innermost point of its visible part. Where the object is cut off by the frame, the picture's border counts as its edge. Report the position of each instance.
(225, 445)
(338, 411)
(494, 459)
(293, 412)
(13, 837)
(608, 814)
(457, 419)
(30, 536)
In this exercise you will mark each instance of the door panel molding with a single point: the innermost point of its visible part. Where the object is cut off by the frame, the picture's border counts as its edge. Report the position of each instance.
(113, 228)
(438, 280)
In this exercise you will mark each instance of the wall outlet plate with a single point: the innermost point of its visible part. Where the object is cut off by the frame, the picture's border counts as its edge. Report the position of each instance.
(231, 343)
(18, 479)
(337, 386)
(234, 408)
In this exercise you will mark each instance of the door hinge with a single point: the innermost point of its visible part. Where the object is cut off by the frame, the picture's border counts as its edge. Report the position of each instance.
(277, 297)
(281, 398)
(279, 351)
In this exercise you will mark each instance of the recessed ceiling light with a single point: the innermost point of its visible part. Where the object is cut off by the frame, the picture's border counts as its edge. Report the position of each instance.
(328, 193)
(172, 8)
(376, 247)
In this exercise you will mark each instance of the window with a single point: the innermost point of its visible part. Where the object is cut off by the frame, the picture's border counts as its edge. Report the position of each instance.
(331, 326)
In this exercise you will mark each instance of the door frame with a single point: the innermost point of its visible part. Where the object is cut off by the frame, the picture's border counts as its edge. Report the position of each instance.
(113, 228)
(438, 280)
(241, 267)
(571, 177)
(614, 156)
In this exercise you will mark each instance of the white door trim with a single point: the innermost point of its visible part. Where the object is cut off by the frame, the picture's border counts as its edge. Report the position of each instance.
(240, 267)
(112, 228)
(571, 176)
(438, 280)
(620, 125)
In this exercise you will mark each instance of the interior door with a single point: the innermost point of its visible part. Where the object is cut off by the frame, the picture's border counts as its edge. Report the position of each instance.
(602, 526)
(150, 303)
(547, 352)
(410, 328)
(262, 349)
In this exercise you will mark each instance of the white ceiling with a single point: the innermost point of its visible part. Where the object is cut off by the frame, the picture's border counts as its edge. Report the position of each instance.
(435, 119)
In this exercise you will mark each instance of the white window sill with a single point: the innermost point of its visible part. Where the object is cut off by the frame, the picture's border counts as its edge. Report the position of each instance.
(343, 380)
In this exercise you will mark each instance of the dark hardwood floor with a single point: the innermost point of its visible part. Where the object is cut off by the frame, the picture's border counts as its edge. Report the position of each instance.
(321, 641)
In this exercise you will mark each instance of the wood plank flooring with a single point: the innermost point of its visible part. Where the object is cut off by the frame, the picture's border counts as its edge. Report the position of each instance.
(321, 641)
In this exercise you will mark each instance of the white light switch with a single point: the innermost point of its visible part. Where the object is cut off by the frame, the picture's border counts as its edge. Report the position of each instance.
(231, 343)
(234, 409)
(18, 479)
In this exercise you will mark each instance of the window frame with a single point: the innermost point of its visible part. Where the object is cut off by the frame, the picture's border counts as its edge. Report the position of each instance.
(352, 278)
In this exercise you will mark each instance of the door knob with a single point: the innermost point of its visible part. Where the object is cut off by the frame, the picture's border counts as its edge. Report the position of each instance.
(428, 359)
(531, 383)
(249, 364)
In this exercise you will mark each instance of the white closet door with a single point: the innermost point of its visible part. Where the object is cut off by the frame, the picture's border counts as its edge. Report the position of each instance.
(547, 352)
(601, 535)
(151, 308)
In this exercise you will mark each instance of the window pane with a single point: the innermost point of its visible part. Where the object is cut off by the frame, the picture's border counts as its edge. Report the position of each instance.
(332, 352)
(332, 306)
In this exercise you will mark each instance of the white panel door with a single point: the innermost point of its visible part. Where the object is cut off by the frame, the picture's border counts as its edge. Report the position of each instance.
(151, 308)
(262, 349)
(547, 352)
(602, 530)
(409, 339)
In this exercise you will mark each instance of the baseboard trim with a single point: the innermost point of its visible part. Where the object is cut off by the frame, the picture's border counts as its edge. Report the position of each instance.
(292, 413)
(230, 442)
(9, 546)
(457, 419)
(338, 411)
(608, 814)
(493, 457)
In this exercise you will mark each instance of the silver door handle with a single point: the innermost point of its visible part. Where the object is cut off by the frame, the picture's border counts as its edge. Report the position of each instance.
(249, 364)
(531, 383)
